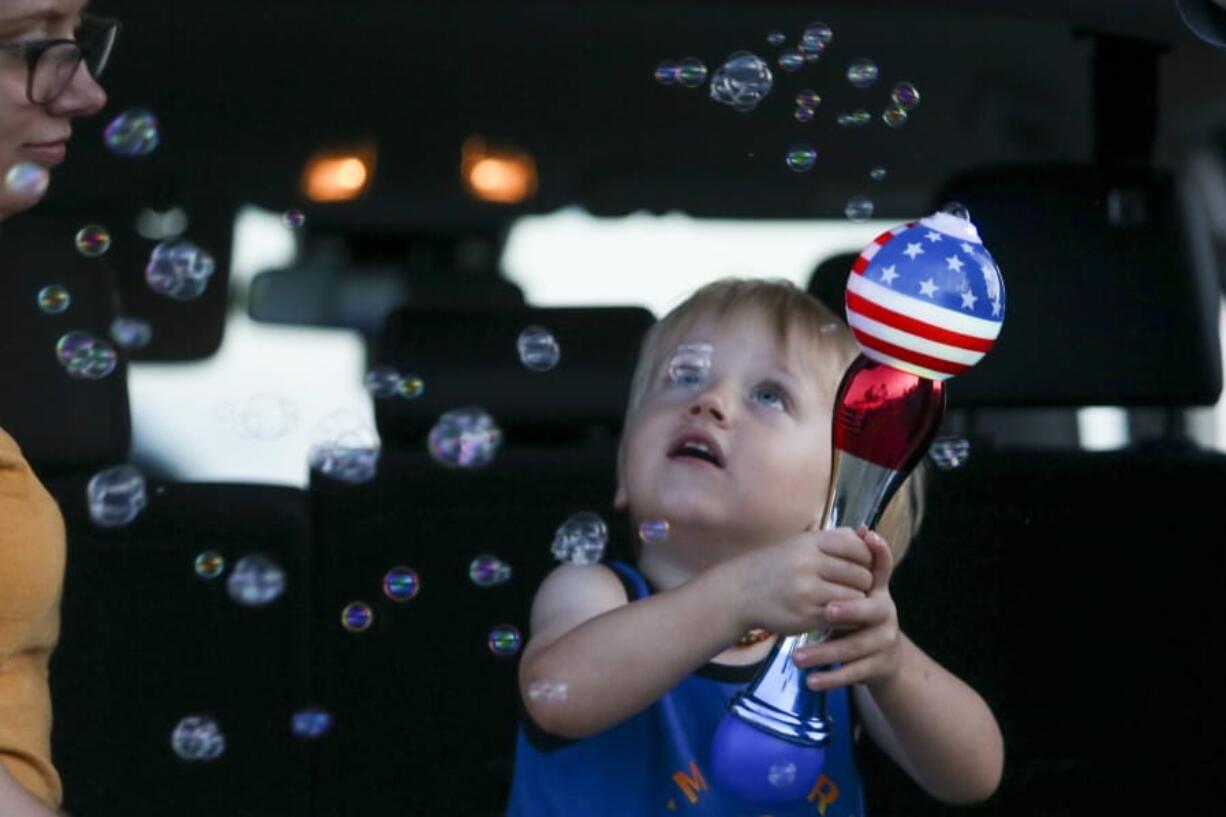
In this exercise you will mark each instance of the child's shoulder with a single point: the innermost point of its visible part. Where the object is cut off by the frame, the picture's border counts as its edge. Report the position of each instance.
(572, 594)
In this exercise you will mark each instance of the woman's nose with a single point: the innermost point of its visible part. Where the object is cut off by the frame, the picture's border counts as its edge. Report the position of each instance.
(83, 96)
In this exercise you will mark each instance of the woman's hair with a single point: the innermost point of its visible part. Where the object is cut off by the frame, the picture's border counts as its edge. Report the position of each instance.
(797, 317)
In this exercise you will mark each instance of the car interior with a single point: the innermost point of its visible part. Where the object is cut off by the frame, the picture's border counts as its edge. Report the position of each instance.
(1066, 572)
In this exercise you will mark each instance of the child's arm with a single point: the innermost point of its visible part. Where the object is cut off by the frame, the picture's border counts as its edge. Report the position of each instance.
(594, 660)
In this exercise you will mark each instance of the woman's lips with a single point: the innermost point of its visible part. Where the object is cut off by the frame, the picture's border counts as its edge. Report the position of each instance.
(47, 154)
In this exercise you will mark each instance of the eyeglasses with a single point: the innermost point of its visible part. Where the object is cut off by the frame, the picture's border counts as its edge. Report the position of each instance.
(53, 63)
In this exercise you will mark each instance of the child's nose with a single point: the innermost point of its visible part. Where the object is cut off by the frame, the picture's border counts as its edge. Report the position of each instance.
(709, 403)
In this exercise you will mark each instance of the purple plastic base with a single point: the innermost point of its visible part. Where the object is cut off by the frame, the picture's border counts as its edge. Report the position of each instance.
(761, 768)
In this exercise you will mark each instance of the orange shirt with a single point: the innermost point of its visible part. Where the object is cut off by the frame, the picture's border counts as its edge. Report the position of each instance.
(32, 557)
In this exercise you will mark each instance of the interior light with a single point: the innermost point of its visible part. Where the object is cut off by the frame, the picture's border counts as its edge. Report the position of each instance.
(501, 176)
(330, 177)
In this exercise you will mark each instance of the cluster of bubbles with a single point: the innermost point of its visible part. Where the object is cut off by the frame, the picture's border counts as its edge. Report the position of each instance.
(690, 72)
(310, 723)
(256, 581)
(807, 101)
(209, 564)
(54, 299)
(950, 452)
(346, 448)
(356, 617)
(116, 496)
(401, 583)
(198, 737)
(383, 382)
(93, 240)
(581, 539)
(84, 356)
(133, 133)
(538, 349)
(464, 438)
(264, 416)
(179, 269)
(488, 571)
(505, 640)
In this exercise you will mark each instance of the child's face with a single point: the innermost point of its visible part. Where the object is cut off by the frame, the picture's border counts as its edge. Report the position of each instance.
(762, 415)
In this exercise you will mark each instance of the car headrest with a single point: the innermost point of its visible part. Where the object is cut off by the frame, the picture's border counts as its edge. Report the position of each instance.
(62, 424)
(470, 357)
(1106, 303)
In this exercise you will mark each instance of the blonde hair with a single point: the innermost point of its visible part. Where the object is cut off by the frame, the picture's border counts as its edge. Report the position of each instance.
(797, 317)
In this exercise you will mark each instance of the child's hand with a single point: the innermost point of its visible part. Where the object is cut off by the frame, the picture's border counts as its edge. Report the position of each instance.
(872, 652)
(786, 586)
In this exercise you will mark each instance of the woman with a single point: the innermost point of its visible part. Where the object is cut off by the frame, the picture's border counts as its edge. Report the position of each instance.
(50, 56)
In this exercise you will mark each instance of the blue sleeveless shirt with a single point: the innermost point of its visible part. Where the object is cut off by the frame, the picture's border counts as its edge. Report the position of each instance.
(655, 763)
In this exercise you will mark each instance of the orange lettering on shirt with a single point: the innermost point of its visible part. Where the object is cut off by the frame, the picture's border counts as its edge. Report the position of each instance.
(692, 783)
(825, 792)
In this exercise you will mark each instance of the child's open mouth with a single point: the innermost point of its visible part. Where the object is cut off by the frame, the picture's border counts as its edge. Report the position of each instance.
(699, 447)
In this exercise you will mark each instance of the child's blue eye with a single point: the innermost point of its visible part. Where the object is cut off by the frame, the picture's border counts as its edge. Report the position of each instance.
(690, 377)
(771, 397)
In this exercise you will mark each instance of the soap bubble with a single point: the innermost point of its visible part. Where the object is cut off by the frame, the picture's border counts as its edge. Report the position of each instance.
(27, 179)
(653, 531)
(411, 387)
(817, 35)
(256, 581)
(382, 382)
(293, 219)
(691, 72)
(538, 350)
(85, 357)
(198, 738)
(179, 269)
(401, 583)
(464, 438)
(905, 95)
(133, 133)
(791, 60)
(210, 564)
(54, 299)
(116, 496)
(691, 365)
(803, 114)
(782, 774)
(801, 158)
(131, 333)
(862, 73)
(859, 209)
(742, 82)
(159, 226)
(505, 639)
(357, 617)
(877, 173)
(93, 240)
(489, 571)
(581, 539)
(950, 452)
(855, 119)
(667, 72)
(345, 448)
(776, 38)
(957, 210)
(311, 722)
(808, 98)
(266, 417)
(894, 116)
(551, 692)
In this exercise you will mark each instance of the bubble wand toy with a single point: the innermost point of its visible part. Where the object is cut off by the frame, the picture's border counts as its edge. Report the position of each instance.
(925, 301)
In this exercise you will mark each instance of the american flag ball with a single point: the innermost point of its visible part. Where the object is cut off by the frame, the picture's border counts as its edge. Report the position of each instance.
(926, 297)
